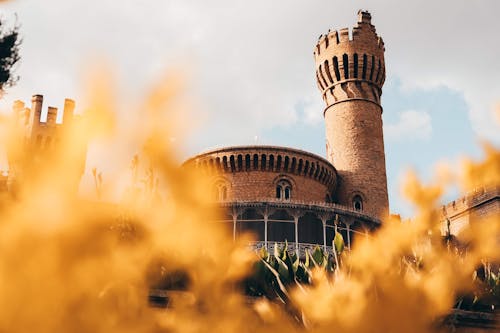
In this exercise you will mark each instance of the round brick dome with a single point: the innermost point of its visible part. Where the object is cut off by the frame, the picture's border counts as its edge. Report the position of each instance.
(255, 173)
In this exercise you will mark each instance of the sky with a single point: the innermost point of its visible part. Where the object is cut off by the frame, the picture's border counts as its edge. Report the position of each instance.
(250, 72)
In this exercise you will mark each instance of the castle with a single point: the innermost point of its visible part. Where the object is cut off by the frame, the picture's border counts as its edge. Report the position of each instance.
(279, 193)
(288, 194)
(283, 194)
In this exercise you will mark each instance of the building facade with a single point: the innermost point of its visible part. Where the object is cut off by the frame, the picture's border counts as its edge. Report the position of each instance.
(480, 204)
(283, 194)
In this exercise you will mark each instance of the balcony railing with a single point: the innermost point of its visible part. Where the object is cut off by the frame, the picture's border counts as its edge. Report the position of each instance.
(301, 204)
(299, 248)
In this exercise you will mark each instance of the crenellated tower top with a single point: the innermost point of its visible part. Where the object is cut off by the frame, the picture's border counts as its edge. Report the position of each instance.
(355, 56)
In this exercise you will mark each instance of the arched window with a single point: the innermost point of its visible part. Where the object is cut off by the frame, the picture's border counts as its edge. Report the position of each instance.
(345, 63)
(287, 193)
(355, 68)
(283, 190)
(357, 203)
(247, 162)
(365, 63)
(336, 68)
(220, 191)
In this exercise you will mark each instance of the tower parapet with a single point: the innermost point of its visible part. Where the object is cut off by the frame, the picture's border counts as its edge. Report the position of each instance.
(351, 65)
(34, 141)
(350, 72)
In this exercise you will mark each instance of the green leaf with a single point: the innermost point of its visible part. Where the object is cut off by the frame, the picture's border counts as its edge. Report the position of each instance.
(276, 275)
(282, 269)
(263, 253)
(290, 265)
(303, 274)
(277, 253)
(295, 263)
(318, 256)
(338, 243)
(285, 250)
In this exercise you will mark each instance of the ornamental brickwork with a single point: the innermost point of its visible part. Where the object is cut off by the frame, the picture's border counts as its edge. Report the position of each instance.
(253, 173)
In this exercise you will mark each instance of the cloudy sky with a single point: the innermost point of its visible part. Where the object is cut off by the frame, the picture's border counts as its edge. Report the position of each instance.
(250, 70)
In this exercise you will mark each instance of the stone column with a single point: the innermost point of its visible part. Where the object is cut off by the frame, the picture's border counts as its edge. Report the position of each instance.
(324, 217)
(296, 213)
(235, 219)
(234, 214)
(265, 229)
(296, 222)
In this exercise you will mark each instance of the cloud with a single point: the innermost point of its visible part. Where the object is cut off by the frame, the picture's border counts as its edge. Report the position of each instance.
(311, 110)
(251, 62)
(497, 112)
(412, 125)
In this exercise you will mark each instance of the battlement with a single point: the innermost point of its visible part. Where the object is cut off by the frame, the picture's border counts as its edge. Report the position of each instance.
(363, 34)
(476, 205)
(471, 200)
(37, 133)
(32, 117)
(350, 63)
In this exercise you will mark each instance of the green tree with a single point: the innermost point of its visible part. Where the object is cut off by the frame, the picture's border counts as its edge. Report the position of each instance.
(9, 54)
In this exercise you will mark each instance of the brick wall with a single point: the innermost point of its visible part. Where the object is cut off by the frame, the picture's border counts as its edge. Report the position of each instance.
(252, 173)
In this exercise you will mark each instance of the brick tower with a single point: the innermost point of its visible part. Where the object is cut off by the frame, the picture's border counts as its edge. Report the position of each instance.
(350, 72)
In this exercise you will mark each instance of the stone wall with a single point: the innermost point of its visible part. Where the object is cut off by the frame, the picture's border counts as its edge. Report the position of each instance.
(474, 206)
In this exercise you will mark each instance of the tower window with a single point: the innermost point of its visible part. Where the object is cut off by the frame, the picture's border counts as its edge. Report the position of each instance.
(373, 68)
(345, 63)
(355, 68)
(327, 70)
(365, 64)
(336, 68)
(283, 190)
(357, 203)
